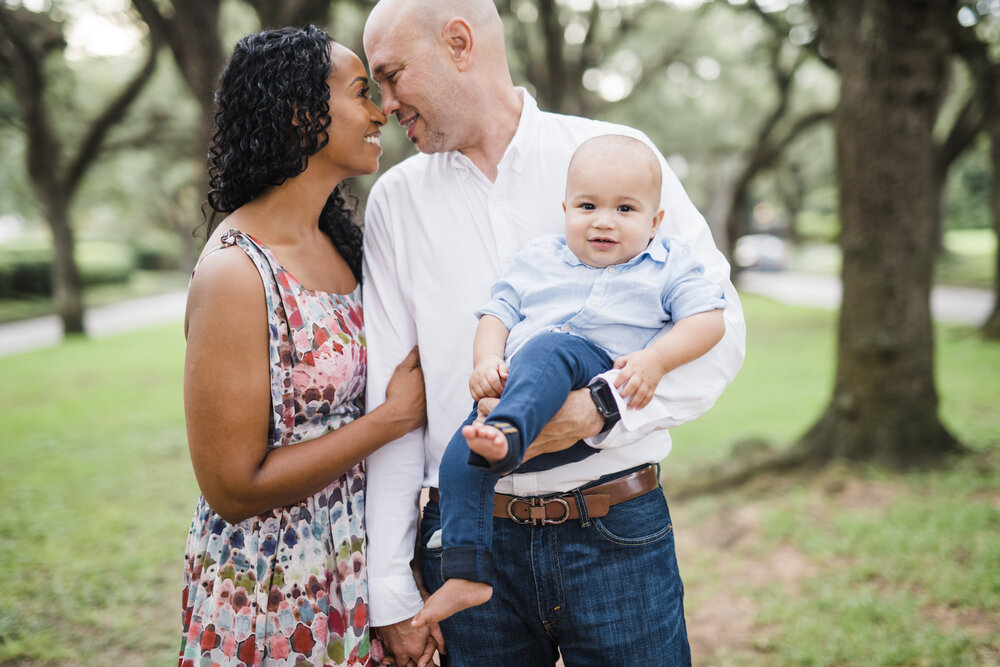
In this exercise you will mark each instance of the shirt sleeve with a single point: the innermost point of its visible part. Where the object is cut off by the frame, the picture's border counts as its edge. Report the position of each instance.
(395, 472)
(505, 296)
(688, 391)
(687, 291)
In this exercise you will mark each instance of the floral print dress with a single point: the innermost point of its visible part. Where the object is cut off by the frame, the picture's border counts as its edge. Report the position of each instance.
(289, 587)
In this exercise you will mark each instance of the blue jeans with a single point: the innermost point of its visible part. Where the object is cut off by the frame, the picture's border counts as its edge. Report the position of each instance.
(542, 374)
(601, 591)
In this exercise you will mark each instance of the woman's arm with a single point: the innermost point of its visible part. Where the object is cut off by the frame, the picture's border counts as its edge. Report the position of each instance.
(227, 400)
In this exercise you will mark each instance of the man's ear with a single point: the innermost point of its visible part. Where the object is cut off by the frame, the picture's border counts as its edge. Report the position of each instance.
(457, 35)
(657, 219)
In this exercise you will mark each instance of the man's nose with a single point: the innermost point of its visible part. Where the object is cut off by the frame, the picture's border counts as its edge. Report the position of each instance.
(389, 102)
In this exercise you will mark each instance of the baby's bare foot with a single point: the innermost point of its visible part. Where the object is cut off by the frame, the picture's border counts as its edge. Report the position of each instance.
(487, 441)
(453, 597)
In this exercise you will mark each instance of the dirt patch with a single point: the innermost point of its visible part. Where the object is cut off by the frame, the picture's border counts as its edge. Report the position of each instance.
(728, 542)
(977, 623)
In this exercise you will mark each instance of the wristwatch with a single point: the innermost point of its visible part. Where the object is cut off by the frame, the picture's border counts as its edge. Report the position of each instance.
(607, 407)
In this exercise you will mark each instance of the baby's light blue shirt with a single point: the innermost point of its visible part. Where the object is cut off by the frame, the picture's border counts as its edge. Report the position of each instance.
(621, 308)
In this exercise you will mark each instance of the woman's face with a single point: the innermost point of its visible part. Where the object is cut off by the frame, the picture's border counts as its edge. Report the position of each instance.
(354, 119)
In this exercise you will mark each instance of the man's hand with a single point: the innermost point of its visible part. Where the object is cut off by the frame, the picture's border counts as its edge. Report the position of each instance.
(577, 419)
(407, 646)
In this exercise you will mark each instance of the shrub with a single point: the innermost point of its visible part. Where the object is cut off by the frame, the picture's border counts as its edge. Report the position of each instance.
(26, 271)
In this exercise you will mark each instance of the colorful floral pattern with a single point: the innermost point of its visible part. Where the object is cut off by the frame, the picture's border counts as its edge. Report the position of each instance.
(289, 587)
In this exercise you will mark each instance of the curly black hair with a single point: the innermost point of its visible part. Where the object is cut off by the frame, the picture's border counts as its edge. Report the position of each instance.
(271, 78)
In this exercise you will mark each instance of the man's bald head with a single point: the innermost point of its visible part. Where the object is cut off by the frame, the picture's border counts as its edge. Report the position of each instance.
(427, 18)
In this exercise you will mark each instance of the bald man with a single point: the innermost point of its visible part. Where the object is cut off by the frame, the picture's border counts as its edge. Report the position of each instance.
(584, 552)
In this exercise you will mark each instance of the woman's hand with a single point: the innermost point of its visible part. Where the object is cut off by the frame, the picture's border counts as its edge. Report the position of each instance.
(405, 403)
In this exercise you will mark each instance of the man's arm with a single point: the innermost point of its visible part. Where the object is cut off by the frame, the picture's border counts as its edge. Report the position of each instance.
(395, 472)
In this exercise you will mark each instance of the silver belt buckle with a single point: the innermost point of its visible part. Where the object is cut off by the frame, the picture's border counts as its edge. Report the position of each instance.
(536, 511)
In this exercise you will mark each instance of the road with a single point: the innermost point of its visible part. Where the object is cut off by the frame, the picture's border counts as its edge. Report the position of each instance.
(956, 305)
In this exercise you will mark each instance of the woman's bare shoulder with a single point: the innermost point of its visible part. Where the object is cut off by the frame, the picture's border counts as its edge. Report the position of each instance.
(226, 286)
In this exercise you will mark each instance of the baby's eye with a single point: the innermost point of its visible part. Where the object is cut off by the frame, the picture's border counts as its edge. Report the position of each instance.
(587, 207)
(625, 208)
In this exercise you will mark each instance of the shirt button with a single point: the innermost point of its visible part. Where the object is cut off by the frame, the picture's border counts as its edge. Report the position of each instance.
(611, 269)
(592, 302)
(566, 329)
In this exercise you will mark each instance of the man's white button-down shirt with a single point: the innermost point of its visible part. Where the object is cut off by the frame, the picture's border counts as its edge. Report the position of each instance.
(438, 234)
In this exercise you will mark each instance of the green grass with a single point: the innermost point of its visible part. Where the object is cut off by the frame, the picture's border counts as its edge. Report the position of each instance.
(787, 379)
(97, 492)
(904, 574)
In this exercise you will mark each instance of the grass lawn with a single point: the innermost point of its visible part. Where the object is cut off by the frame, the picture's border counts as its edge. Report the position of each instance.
(849, 567)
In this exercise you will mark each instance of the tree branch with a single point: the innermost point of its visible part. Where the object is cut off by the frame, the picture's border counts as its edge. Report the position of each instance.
(29, 82)
(89, 148)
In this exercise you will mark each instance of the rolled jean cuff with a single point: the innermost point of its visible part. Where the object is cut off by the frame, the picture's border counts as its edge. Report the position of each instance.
(514, 452)
(467, 563)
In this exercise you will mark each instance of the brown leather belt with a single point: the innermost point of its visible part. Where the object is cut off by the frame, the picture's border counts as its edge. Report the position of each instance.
(554, 510)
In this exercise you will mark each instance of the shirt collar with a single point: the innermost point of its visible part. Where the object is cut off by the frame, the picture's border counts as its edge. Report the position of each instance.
(656, 249)
(516, 151)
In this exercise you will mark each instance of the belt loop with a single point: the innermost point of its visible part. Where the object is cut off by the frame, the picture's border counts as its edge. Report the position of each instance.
(581, 507)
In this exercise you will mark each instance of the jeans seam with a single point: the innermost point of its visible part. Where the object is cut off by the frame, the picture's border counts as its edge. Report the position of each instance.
(632, 541)
(642, 540)
(560, 598)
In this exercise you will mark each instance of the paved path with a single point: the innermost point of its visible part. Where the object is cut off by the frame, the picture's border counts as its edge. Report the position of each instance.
(955, 305)
(958, 305)
(99, 321)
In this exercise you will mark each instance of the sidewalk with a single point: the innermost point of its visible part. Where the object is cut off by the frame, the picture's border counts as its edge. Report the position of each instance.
(954, 305)
(100, 321)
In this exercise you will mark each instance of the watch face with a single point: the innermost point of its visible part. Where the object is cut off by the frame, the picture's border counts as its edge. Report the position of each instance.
(604, 400)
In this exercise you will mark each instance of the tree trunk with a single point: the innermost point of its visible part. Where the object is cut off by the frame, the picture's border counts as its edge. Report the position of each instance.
(991, 328)
(891, 55)
(67, 287)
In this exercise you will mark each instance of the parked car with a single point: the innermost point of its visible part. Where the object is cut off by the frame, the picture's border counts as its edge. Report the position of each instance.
(761, 252)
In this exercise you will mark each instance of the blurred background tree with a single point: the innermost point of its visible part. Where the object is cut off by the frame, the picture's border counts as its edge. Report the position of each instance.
(29, 43)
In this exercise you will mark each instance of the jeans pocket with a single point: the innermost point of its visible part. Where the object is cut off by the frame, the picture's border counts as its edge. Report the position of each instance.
(636, 522)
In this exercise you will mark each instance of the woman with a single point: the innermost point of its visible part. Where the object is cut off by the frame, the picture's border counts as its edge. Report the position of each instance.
(275, 367)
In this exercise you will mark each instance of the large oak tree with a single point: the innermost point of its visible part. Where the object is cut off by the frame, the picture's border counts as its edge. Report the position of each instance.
(892, 57)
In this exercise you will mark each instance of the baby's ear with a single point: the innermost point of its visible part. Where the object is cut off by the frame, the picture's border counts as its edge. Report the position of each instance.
(564, 207)
(657, 219)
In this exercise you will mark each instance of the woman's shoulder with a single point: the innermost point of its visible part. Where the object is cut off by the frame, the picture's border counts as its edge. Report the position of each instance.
(225, 270)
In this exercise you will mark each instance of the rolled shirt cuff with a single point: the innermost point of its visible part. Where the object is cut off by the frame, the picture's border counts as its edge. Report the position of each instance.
(392, 599)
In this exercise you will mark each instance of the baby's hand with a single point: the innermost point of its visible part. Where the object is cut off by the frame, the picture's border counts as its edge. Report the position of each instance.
(640, 373)
(488, 378)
